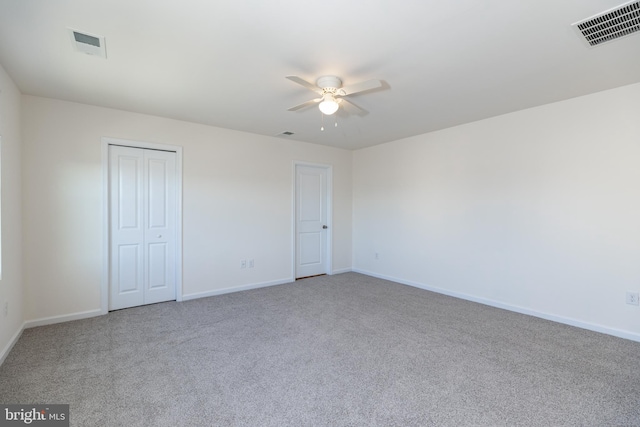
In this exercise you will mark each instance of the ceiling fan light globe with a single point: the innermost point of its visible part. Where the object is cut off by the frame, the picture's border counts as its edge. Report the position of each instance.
(328, 107)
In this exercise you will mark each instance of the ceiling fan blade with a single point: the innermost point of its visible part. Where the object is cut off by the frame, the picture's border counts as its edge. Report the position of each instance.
(305, 83)
(360, 87)
(350, 105)
(305, 104)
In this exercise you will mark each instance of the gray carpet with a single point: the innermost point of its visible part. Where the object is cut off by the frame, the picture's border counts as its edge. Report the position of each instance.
(344, 350)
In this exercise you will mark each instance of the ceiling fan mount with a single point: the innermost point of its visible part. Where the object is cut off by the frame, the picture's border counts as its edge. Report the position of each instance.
(331, 92)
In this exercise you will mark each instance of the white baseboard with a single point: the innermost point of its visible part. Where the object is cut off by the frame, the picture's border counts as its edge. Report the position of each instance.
(14, 339)
(62, 318)
(99, 312)
(223, 291)
(522, 310)
(342, 270)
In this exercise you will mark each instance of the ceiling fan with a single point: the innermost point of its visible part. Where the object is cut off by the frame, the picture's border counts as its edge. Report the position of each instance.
(331, 92)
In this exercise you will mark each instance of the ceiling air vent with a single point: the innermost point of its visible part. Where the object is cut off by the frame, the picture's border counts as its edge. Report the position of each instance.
(611, 24)
(88, 43)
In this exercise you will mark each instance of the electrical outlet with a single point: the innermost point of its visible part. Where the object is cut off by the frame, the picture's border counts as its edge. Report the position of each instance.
(376, 255)
(251, 263)
(243, 263)
(633, 298)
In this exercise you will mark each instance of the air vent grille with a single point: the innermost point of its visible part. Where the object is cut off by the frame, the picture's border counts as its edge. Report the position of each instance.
(88, 43)
(86, 39)
(612, 24)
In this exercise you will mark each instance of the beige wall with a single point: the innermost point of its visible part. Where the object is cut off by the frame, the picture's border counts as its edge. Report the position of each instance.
(10, 214)
(537, 211)
(237, 194)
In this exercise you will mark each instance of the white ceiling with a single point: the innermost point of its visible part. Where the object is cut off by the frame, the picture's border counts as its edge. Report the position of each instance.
(224, 62)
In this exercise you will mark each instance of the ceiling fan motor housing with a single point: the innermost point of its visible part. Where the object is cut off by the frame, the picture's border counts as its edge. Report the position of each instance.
(329, 82)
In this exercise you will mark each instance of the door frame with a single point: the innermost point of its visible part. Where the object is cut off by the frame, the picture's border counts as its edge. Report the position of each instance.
(329, 249)
(106, 216)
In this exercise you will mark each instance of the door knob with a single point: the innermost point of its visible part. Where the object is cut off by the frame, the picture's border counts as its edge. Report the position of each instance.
(324, 227)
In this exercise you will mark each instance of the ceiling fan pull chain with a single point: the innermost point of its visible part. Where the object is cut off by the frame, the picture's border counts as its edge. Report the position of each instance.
(322, 119)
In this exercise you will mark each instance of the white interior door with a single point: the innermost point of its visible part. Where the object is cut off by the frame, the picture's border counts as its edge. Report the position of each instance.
(142, 197)
(160, 224)
(311, 220)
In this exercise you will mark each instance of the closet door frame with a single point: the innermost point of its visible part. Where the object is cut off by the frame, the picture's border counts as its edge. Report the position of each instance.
(106, 142)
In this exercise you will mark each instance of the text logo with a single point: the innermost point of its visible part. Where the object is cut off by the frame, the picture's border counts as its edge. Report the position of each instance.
(34, 415)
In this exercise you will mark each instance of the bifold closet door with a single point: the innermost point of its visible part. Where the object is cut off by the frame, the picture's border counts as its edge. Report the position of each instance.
(142, 198)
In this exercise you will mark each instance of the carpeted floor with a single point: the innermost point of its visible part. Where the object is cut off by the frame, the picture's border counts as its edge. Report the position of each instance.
(344, 350)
